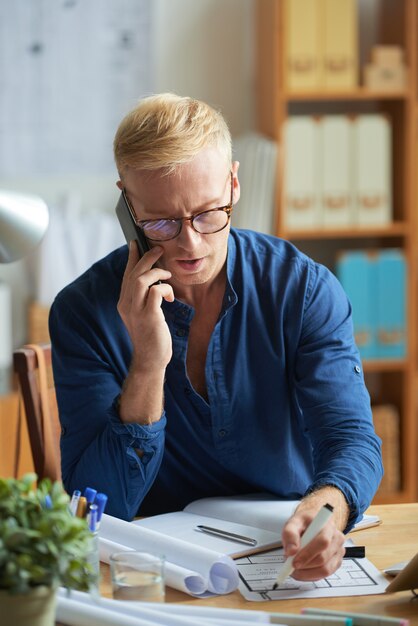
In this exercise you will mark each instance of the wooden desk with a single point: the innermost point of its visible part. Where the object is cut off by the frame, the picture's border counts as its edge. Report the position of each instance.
(396, 539)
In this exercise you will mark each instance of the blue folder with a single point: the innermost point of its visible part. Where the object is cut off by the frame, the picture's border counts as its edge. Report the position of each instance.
(355, 272)
(391, 304)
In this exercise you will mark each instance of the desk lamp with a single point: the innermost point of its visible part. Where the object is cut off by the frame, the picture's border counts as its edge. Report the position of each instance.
(23, 222)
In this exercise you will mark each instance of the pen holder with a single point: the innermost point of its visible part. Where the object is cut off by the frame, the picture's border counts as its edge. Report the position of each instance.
(93, 560)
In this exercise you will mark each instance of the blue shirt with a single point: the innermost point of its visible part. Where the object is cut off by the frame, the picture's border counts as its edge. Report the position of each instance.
(288, 409)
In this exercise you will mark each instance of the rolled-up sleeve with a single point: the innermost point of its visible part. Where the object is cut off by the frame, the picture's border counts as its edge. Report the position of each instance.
(333, 397)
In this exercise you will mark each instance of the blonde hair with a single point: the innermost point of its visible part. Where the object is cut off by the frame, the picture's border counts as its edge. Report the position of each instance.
(166, 130)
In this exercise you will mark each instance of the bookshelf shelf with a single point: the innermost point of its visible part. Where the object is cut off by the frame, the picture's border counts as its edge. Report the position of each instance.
(385, 365)
(391, 381)
(396, 229)
(346, 96)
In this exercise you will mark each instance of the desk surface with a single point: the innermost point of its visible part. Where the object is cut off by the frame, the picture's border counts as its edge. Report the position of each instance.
(396, 539)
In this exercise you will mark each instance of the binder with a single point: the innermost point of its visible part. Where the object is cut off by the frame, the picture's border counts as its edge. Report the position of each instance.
(391, 278)
(336, 199)
(355, 272)
(301, 175)
(372, 170)
(386, 421)
(302, 70)
(340, 44)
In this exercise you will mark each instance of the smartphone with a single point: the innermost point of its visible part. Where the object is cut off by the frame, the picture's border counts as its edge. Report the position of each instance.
(128, 225)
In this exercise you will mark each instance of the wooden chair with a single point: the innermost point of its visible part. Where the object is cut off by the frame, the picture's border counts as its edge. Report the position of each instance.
(33, 367)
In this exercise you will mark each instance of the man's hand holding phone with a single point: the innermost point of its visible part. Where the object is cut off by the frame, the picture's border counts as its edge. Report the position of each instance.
(140, 309)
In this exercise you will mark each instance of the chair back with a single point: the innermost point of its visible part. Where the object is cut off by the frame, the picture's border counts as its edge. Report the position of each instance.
(33, 367)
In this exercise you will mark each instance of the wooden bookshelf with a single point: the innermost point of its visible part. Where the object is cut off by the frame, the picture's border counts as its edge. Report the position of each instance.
(394, 23)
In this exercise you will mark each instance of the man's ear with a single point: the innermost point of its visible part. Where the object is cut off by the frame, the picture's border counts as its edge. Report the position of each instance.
(119, 184)
(235, 181)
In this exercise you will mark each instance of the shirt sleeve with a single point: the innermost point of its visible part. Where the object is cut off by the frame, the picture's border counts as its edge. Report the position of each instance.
(91, 355)
(333, 398)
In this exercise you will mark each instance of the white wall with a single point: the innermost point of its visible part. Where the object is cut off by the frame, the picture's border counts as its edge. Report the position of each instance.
(204, 49)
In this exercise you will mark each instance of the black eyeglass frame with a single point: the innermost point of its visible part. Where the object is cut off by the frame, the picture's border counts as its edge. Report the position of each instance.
(179, 220)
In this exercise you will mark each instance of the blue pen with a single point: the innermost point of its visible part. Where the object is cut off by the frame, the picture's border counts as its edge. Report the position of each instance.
(92, 518)
(89, 494)
(100, 500)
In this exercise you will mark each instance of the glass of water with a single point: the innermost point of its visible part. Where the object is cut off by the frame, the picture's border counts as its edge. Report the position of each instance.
(137, 576)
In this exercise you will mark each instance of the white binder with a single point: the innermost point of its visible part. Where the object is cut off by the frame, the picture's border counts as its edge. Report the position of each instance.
(301, 174)
(373, 171)
(336, 196)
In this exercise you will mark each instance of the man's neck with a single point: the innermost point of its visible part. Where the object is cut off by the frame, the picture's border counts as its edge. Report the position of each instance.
(198, 296)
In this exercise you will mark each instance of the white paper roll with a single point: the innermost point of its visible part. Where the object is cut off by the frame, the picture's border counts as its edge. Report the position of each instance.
(219, 570)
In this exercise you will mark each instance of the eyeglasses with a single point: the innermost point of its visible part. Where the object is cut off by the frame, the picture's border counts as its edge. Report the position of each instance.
(206, 222)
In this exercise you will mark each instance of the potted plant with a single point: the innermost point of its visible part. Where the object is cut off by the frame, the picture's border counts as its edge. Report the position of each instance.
(42, 546)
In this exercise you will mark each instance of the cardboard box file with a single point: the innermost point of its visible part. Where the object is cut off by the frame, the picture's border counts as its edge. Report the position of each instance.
(356, 274)
(301, 175)
(386, 423)
(372, 170)
(302, 28)
(336, 195)
(340, 44)
(391, 304)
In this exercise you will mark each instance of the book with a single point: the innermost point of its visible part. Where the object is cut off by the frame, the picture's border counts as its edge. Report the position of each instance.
(263, 514)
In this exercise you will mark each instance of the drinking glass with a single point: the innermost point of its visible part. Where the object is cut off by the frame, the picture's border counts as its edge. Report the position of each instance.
(137, 576)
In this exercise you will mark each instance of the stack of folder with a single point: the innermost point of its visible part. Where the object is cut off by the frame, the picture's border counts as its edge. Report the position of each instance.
(375, 283)
(321, 45)
(337, 171)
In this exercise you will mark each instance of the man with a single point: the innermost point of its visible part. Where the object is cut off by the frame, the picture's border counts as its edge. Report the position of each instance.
(221, 362)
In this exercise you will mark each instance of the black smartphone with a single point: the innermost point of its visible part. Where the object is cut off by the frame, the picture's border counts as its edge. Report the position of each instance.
(128, 225)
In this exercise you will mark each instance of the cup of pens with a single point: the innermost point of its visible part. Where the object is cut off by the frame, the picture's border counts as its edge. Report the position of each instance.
(137, 576)
(90, 506)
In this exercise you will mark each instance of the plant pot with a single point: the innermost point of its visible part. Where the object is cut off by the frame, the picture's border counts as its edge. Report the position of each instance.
(36, 608)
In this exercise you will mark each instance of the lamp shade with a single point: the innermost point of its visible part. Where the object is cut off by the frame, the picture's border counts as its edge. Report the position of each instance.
(23, 222)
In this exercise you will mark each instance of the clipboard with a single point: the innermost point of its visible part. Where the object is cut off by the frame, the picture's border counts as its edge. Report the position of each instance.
(407, 579)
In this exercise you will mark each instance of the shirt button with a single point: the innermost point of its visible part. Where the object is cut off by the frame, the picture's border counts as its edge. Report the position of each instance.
(180, 332)
(357, 369)
(187, 391)
(222, 432)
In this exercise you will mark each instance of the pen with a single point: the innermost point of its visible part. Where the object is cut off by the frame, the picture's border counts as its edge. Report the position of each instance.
(89, 494)
(217, 532)
(81, 507)
(360, 619)
(313, 529)
(48, 501)
(290, 619)
(74, 501)
(92, 518)
(100, 500)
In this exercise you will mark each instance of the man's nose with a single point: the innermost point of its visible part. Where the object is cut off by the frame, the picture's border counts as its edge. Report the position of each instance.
(188, 237)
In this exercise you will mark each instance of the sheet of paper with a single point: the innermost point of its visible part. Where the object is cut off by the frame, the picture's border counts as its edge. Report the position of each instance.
(183, 525)
(258, 573)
